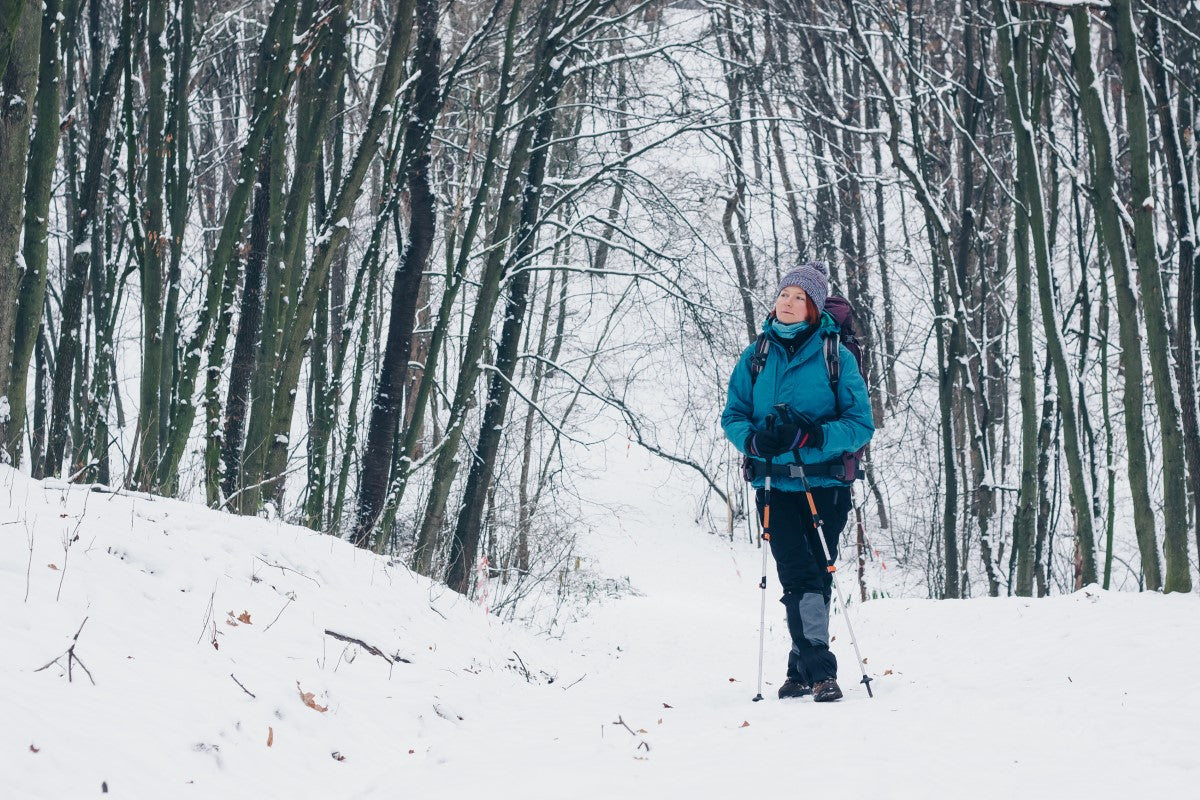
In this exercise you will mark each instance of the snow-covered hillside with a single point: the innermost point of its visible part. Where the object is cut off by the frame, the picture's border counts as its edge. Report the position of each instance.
(217, 672)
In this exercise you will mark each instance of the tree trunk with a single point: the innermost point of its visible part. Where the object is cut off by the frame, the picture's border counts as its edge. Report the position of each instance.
(39, 177)
(389, 392)
(1108, 221)
(1032, 207)
(1182, 183)
(1154, 303)
(464, 545)
(20, 35)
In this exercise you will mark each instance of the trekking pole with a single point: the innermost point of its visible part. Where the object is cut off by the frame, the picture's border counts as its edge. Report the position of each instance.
(831, 568)
(765, 545)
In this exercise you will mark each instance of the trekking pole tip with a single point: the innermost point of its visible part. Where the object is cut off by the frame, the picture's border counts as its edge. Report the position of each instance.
(757, 697)
(867, 682)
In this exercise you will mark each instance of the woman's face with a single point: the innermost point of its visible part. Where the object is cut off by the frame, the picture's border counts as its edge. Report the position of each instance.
(791, 305)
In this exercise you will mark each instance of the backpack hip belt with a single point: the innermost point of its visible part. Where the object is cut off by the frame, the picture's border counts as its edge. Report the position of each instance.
(845, 469)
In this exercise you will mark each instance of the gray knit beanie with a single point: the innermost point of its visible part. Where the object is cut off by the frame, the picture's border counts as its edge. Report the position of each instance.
(813, 278)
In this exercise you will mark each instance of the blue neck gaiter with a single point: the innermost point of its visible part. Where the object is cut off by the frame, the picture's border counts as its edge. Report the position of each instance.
(788, 331)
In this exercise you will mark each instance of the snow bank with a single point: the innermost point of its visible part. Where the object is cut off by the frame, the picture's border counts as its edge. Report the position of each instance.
(206, 637)
(1084, 696)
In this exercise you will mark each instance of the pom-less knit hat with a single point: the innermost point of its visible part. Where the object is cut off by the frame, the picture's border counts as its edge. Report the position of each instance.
(813, 278)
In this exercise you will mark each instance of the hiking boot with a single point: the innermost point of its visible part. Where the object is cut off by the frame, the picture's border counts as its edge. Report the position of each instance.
(825, 691)
(791, 688)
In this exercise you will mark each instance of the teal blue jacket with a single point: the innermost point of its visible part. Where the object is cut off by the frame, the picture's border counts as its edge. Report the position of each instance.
(803, 384)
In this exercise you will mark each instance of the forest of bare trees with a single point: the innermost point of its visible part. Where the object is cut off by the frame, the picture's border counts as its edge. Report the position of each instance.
(379, 268)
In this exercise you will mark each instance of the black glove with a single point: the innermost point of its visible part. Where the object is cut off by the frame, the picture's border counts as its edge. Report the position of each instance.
(774, 438)
(808, 433)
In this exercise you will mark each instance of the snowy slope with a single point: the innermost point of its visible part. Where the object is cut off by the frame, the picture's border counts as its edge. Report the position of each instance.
(1081, 696)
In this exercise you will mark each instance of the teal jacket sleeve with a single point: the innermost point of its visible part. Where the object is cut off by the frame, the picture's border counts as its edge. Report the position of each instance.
(738, 417)
(855, 426)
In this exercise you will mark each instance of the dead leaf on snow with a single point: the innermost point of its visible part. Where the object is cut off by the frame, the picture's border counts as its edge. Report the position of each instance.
(270, 736)
(33, 748)
(244, 617)
(52, 566)
(745, 724)
(337, 756)
(307, 697)
(887, 672)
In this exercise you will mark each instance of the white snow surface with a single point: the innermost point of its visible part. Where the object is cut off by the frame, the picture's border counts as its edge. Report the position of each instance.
(1090, 695)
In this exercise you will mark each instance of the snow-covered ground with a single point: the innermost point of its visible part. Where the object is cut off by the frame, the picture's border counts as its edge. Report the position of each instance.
(647, 694)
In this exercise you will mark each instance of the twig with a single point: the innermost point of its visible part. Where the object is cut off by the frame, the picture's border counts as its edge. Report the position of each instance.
(577, 680)
(62, 576)
(207, 615)
(244, 689)
(71, 657)
(280, 614)
(524, 668)
(287, 569)
(29, 566)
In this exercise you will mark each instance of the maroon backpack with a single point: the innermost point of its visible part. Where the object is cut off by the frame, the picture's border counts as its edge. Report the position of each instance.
(843, 314)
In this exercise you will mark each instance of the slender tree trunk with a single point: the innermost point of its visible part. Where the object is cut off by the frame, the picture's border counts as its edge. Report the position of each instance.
(269, 92)
(153, 247)
(100, 115)
(1182, 203)
(1154, 304)
(335, 229)
(1109, 208)
(1032, 205)
(464, 545)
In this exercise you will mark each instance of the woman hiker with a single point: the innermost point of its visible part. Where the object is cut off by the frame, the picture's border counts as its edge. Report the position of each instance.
(789, 413)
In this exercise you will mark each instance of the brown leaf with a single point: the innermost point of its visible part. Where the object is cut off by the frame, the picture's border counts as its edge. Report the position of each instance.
(337, 756)
(745, 724)
(231, 623)
(307, 697)
(270, 736)
(33, 748)
(244, 617)
(733, 680)
(887, 672)
(642, 730)
(668, 705)
(52, 566)
(410, 752)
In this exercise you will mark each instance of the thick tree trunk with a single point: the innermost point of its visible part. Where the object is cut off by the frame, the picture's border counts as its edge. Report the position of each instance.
(39, 177)
(389, 393)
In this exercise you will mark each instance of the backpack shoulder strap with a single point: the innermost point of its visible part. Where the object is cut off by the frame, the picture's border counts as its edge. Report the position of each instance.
(833, 363)
(759, 359)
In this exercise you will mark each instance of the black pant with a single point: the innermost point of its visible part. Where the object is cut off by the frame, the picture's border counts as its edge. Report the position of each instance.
(807, 583)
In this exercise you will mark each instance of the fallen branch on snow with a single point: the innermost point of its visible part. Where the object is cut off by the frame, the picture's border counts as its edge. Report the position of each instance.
(372, 649)
(71, 657)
